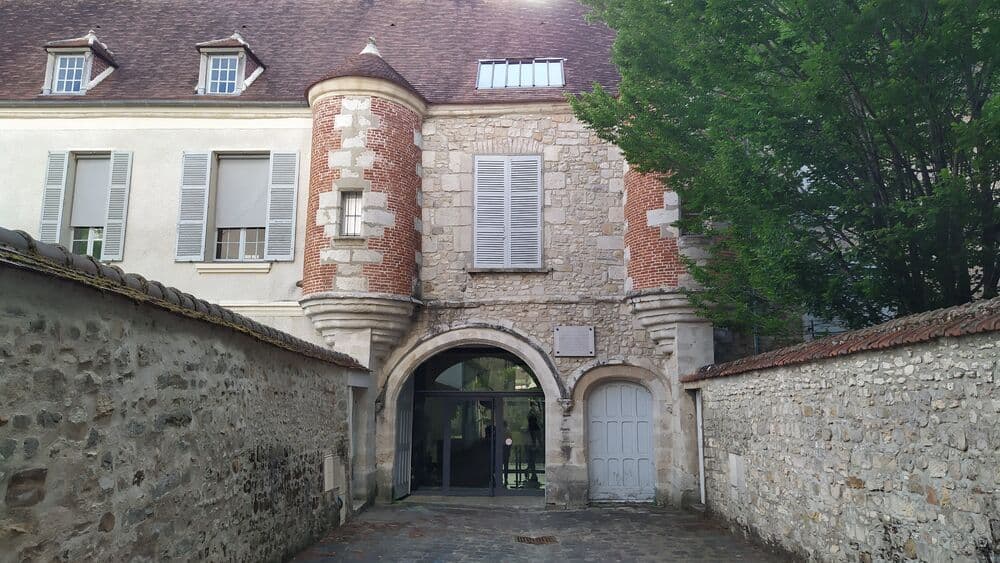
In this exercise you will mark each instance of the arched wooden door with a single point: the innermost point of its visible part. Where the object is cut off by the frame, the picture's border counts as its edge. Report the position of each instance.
(620, 442)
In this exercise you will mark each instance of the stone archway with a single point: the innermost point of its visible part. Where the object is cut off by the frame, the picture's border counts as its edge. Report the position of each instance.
(401, 365)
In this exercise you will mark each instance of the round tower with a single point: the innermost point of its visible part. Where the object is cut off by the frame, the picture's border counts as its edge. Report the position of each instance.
(363, 236)
(656, 276)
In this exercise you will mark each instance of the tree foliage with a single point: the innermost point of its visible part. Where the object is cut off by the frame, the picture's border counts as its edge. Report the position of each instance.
(842, 155)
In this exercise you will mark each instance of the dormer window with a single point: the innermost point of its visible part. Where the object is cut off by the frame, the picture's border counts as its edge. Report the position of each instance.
(228, 66)
(76, 65)
(520, 73)
(69, 74)
(222, 73)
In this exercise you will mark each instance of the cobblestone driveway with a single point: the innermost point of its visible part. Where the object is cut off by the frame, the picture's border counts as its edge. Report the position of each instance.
(431, 532)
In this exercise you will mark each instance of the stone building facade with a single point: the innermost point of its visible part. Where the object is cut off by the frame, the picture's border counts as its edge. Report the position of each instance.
(419, 217)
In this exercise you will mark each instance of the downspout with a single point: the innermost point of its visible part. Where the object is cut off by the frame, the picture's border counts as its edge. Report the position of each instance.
(701, 444)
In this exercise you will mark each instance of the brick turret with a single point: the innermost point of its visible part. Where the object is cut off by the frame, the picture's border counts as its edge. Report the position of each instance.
(359, 279)
(656, 273)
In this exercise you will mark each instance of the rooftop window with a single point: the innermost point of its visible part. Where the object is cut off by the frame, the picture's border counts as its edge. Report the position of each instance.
(520, 73)
(69, 74)
(228, 66)
(76, 65)
(222, 73)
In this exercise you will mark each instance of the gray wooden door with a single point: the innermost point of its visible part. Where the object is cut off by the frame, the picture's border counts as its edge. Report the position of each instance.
(620, 445)
(404, 442)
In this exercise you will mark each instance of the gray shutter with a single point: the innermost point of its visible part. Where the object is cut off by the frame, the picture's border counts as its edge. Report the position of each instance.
(53, 196)
(525, 219)
(114, 225)
(193, 206)
(489, 217)
(279, 239)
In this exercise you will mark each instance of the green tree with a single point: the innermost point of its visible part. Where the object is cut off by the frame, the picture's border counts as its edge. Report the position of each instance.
(841, 154)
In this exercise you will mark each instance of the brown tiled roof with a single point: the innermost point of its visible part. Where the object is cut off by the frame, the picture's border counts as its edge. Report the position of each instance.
(434, 44)
(371, 66)
(972, 318)
(18, 249)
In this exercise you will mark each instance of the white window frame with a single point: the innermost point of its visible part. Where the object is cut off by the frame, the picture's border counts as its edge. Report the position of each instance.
(52, 71)
(212, 86)
(243, 242)
(83, 67)
(344, 196)
(521, 64)
(90, 240)
(242, 80)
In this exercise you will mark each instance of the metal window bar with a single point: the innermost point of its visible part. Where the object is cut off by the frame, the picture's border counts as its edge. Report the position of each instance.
(350, 221)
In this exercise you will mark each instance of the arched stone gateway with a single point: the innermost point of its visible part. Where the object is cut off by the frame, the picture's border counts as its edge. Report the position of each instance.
(530, 415)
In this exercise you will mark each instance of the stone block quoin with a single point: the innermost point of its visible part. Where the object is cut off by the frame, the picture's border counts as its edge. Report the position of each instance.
(652, 256)
(316, 276)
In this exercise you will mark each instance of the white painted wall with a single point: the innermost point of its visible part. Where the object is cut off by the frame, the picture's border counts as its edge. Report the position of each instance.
(157, 143)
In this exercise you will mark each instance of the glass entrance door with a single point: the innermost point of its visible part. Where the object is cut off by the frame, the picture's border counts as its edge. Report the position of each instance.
(522, 445)
(478, 425)
(470, 446)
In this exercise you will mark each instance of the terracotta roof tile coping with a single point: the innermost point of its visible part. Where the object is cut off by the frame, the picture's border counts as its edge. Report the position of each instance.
(20, 249)
(233, 41)
(971, 318)
(369, 65)
(89, 40)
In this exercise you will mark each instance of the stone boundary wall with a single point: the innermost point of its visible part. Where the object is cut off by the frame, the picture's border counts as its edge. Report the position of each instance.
(884, 447)
(142, 427)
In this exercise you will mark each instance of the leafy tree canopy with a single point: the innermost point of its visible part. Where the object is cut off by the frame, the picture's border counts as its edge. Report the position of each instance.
(842, 155)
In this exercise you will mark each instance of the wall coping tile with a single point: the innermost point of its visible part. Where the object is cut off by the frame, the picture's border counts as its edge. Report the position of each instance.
(19, 249)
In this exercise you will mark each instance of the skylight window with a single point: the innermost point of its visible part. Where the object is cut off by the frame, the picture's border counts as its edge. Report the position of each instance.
(69, 74)
(222, 74)
(520, 73)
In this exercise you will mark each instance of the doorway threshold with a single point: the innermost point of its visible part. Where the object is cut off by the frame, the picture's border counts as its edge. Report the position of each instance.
(514, 501)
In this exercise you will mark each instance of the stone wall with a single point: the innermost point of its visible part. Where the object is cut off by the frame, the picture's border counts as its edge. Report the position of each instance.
(882, 455)
(130, 432)
(582, 214)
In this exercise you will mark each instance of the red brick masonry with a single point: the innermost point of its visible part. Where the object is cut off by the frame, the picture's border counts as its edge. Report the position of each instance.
(972, 318)
(395, 173)
(653, 261)
(318, 277)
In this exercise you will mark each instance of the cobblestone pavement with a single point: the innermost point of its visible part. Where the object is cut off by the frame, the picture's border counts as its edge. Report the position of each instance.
(431, 532)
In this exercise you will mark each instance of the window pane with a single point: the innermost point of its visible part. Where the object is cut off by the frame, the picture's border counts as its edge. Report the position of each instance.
(556, 73)
(485, 75)
(97, 249)
(499, 75)
(253, 247)
(527, 76)
(513, 75)
(541, 74)
(227, 245)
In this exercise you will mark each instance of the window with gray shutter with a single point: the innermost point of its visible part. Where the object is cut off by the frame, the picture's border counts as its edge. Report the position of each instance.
(193, 206)
(508, 212)
(53, 193)
(117, 208)
(281, 196)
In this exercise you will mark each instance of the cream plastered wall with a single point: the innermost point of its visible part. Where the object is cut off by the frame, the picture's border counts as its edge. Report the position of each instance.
(157, 138)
